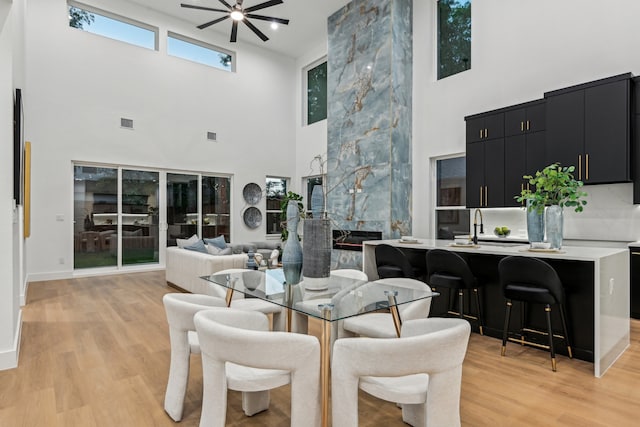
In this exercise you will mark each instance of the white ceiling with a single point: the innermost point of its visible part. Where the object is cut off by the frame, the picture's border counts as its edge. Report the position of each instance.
(307, 27)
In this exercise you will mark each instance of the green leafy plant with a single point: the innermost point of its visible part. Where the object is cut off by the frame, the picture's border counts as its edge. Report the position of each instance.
(283, 212)
(554, 185)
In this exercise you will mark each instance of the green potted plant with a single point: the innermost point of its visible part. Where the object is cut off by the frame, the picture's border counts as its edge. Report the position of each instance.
(554, 187)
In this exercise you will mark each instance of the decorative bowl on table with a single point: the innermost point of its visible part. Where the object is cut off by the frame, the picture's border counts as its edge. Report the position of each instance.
(501, 231)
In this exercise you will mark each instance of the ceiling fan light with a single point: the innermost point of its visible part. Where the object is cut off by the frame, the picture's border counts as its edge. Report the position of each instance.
(237, 15)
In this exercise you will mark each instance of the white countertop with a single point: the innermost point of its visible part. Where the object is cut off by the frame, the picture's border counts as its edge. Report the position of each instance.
(580, 253)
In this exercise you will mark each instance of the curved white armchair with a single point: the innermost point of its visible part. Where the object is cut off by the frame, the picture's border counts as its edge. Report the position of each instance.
(229, 337)
(422, 370)
(380, 325)
(180, 309)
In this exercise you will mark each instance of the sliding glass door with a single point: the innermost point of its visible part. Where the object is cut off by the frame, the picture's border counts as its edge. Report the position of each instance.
(139, 217)
(123, 217)
(95, 215)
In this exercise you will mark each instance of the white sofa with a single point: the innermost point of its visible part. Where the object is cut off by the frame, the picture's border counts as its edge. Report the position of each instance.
(185, 267)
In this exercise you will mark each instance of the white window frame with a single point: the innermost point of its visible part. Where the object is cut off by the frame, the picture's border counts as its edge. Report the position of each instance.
(120, 18)
(434, 192)
(287, 182)
(205, 45)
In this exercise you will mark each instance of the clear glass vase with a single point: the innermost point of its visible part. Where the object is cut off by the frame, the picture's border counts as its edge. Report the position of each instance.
(535, 224)
(554, 221)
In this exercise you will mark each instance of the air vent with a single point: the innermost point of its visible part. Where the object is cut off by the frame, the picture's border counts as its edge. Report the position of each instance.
(126, 123)
(211, 136)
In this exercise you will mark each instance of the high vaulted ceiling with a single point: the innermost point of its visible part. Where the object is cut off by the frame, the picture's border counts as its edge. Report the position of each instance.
(306, 29)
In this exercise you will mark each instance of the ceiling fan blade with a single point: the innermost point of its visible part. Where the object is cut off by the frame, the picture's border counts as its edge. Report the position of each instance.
(268, 18)
(225, 3)
(234, 32)
(215, 21)
(191, 6)
(255, 30)
(263, 5)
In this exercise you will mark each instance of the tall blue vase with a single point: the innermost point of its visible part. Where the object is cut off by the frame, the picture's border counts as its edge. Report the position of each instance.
(292, 252)
(535, 224)
(554, 226)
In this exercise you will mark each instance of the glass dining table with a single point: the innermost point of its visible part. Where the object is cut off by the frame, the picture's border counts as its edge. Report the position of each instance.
(330, 300)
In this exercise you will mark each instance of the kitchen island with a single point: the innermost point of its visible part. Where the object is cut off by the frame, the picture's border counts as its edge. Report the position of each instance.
(596, 281)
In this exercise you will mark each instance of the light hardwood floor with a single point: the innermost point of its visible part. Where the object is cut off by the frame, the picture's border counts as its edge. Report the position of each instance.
(95, 352)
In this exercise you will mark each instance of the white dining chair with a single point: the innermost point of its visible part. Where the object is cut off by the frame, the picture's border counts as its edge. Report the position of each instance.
(253, 304)
(350, 273)
(421, 371)
(381, 325)
(241, 341)
(180, 309)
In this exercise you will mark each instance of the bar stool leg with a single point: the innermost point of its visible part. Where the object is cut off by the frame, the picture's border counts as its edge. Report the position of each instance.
(566, 332)
(505, 330)
(461, 302)
(547, 310)
(480, 320)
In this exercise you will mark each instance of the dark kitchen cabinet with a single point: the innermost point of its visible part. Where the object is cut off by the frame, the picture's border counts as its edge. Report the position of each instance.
(486, 126)
(485, 174)
(526, 118)
(588, 126)
(523, 155)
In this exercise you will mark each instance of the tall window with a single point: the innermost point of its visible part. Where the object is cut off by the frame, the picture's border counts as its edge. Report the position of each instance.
(216, 207)
(276, 190)
(452, 217)
(309, 182)
(454, 37)
(201, 52)
(316, 91)
(112, 26)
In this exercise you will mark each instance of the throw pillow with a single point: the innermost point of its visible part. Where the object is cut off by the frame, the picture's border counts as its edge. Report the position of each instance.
(186, 242)
(218, 242)
(214, 250)
(198, 246)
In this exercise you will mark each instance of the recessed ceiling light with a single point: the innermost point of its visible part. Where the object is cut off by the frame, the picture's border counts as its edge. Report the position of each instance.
(274, 25)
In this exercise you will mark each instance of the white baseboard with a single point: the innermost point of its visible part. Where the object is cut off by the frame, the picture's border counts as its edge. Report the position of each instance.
(88, 272)
(9, 358)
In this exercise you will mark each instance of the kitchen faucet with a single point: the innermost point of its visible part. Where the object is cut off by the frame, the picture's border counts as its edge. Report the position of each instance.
(475, 225)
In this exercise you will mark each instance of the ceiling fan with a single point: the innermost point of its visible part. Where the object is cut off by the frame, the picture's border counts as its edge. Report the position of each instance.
(239, 14)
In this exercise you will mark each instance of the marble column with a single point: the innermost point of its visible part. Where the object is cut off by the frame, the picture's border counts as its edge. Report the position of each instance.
(369, 88)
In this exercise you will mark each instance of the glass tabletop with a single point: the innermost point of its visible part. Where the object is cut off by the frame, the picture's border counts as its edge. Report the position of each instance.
(347, 297)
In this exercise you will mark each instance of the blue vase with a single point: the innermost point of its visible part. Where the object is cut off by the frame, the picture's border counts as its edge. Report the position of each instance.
(554, 226)
(535, 224)
(317, 202)
(292, 252)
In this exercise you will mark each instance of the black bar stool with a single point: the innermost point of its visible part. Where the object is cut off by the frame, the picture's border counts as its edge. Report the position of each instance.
(447, 269)
(392, 262)
(531, 280)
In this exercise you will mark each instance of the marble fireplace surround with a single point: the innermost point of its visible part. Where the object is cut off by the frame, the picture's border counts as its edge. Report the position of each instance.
(369, 89)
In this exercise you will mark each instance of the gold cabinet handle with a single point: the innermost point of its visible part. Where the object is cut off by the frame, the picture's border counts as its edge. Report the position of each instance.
(486, 133)
(521, 190)
(480, 133)
(486, 193)
(586, 174)
(481, 196)
(579, 166)
(527, 124)
(521, 126)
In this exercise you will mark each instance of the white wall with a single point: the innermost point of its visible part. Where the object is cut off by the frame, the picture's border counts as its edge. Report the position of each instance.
(521, 49)
(9, 287)
(80, 84)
